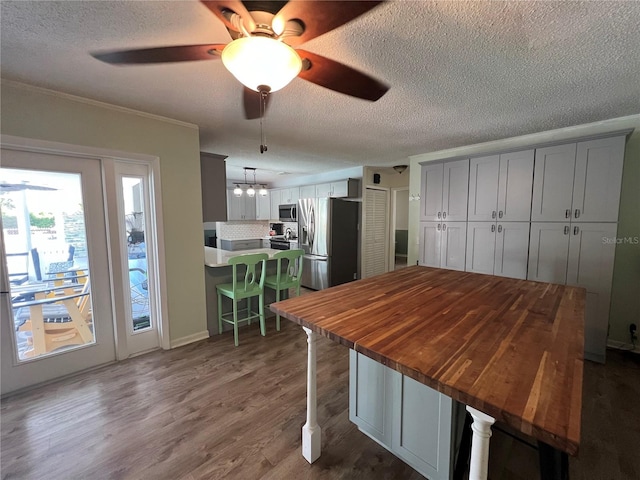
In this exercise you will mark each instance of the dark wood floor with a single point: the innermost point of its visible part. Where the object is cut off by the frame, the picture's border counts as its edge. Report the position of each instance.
(210, 410)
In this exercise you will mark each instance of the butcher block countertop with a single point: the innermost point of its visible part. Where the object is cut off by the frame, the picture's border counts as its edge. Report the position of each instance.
(512, 349)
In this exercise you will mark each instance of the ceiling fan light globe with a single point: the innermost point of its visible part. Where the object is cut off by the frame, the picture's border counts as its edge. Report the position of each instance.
(261, 61)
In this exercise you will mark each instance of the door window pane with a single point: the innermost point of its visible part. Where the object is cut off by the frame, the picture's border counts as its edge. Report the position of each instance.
(135, 221)
(45, 242)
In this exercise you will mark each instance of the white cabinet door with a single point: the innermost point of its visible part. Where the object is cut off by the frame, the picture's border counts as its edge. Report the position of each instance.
(430, 239)
(275, 203)
(290, 195)
(455, 190)
(598, 178)
(308, 191)
(553, 183)
(452, 245)
(431, 192)
(548, 252)
(235, 206)
(249, 208)
(514, 188)
(481, 245)
(370, 397)
(483, 188)
(323, 190)
(263, 207)
(339, 189)
(512, 249)
(591, 255)
(411, 420)
(422, 426)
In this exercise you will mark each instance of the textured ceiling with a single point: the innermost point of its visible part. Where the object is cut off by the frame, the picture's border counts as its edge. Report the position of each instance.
(460, 73)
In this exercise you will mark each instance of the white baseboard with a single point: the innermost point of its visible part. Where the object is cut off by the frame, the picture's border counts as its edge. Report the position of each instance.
(196, 337)
(622, 346)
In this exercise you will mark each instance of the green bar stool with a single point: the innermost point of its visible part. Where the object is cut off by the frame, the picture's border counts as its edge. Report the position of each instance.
(250, 286)
(288, 274)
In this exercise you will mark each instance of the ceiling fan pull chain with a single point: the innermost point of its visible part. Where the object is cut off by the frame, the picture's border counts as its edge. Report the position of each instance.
(263, 107)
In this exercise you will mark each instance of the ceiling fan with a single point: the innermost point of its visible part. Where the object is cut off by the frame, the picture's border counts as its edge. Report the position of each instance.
(263, 53)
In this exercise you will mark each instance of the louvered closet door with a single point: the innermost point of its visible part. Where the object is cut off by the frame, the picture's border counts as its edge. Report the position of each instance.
(376, 232)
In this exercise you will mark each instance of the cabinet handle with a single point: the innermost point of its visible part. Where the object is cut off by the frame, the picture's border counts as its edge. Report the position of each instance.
(493, 214)
(438, 227)
(439, 215)
(444, 215)
(444, 227)
(499, 228)
(576, 230)
(500, 214)
(566, 229)
(493, 228)
(577, 213)
(567, 213)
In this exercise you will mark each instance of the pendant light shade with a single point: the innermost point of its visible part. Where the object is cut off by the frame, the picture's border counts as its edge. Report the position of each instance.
(237, 191)
(259, 62)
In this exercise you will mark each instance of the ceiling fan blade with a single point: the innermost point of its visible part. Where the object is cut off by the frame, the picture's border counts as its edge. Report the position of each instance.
(184, 53)
(340, 78)
(320, 17)
(251, 101)
(218, 8)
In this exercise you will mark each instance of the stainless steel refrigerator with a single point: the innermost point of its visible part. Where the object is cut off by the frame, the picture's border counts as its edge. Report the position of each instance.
(328, 234)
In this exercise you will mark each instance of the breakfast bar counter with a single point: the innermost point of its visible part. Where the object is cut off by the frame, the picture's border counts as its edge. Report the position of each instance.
(510, 350)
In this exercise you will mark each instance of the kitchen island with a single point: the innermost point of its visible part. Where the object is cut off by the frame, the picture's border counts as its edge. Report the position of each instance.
(219, 271)
(510, 350)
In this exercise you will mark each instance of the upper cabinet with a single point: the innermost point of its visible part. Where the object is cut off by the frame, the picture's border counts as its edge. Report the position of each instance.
(340, 189)
(444, 191)
(213, 179)
(308, 191)
(289, 195)
(500, 187)
(241, 208)
(579, 182)
(263, 207)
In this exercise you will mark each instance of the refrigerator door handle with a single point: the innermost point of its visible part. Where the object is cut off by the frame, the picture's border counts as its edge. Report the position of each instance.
(316, 258)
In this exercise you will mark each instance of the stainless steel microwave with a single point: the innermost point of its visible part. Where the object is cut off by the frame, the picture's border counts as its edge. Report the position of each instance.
(288, 212)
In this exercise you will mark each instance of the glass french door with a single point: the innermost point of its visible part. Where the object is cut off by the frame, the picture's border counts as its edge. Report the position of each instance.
(54, 258)
(136, 236)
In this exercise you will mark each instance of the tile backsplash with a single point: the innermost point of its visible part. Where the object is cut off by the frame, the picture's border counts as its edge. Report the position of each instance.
(246, 230)
(242, 230)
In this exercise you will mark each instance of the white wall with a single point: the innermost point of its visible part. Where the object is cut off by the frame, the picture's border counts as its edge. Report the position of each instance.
(36, 113)
(402, 210)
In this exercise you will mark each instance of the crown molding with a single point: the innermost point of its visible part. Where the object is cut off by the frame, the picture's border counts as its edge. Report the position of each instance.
(96, 103)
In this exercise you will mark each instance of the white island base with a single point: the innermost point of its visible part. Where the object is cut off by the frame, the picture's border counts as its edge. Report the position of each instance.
(418, 424)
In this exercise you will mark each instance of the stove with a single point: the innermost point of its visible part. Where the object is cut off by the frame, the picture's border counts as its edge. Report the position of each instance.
(279, 242)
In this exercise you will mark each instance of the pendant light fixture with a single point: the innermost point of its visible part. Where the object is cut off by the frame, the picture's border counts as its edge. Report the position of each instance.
(250, 191)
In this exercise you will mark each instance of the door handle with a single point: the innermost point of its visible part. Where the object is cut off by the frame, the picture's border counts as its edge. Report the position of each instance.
(438, 227)
(567, 213)
(493, 228)
(499, 228)
(500, 214)
(577, 213)
(576, 230)
(444, 215)
(439, 215)
(444, 227)
(566, 229)
(493, 214)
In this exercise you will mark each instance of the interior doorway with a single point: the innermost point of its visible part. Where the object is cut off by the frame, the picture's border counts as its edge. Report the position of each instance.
(399, 228)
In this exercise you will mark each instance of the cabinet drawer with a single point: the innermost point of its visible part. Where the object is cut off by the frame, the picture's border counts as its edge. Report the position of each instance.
(233, 245)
